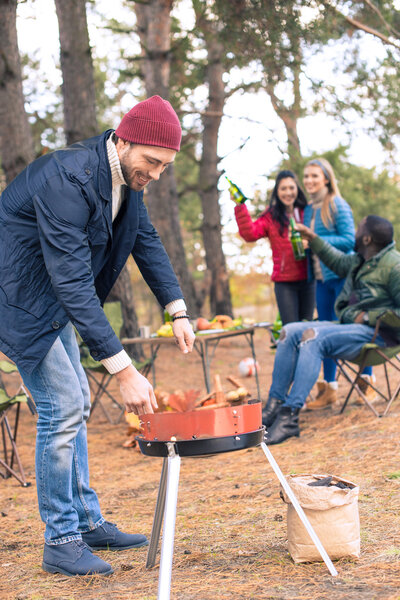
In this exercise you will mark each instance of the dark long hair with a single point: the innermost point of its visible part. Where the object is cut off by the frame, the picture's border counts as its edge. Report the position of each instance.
(277, 208)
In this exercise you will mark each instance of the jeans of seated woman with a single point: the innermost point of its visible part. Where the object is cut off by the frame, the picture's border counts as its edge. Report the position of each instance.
(296, 300)
(67, 505)
(326, 294)
(298, 360)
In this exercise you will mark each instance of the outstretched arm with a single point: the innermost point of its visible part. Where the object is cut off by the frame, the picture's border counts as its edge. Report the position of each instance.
(339, 262)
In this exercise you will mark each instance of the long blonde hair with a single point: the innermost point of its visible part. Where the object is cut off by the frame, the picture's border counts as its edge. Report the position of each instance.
(328, 205)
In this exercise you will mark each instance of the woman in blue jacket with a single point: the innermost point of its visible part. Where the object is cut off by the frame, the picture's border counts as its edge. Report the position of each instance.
(331, 218)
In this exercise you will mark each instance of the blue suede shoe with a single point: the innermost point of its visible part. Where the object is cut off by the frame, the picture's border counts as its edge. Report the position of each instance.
(73, 558)
(108, 537)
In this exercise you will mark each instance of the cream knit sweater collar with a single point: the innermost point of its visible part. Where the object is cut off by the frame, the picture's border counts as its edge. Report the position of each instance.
(116, 174)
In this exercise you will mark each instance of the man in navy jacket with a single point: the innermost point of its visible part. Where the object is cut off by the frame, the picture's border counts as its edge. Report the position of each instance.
(68, 223)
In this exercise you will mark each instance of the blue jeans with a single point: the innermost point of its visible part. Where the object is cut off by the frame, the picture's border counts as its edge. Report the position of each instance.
(67, 505)
(298, 360)
(326, 294)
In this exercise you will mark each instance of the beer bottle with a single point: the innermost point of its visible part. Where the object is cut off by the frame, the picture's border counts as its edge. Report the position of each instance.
(236, 192)
(277, 326)
(297, 243)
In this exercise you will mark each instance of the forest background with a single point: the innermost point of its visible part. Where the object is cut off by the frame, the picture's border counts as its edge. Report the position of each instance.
(259, 85)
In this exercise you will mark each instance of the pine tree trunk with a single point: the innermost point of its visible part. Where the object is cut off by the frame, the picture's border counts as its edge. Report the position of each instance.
(80, 119)
(220, 297)
(77, 69)
(154, 25)
(16, 144)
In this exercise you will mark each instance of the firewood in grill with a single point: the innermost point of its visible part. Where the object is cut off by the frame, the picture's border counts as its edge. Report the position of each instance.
(235, 381)
(219, 405)
(219, 393)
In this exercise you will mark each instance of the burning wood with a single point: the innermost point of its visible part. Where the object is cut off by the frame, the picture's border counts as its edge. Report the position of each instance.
(217, 398)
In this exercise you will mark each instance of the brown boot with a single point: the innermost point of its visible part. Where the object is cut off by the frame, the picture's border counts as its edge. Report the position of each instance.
(366, 389)
(326, 396)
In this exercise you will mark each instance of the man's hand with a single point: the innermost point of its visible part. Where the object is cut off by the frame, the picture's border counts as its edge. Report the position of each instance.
(183, 333)
(305, 232)
(136, 391)
(360, 318)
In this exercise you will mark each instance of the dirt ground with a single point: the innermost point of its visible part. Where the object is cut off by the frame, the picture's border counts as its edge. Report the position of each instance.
(231, 539)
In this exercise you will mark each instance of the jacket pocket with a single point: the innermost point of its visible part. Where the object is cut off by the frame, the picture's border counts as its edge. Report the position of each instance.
(28, 289)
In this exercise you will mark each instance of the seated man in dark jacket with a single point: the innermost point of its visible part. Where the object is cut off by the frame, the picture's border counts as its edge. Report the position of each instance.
(371, 289)
(68, 223)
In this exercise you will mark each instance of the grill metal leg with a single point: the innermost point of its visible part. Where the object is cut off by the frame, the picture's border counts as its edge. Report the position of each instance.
(167, 548)
(299, 509)
(158, 517)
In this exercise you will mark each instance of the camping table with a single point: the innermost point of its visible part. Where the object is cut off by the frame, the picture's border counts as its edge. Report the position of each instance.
(205, 345)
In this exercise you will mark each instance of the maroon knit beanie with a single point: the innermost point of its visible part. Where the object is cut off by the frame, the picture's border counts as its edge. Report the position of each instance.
(152, 122)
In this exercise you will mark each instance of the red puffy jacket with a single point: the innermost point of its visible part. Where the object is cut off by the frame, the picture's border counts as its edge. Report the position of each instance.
(286, 268)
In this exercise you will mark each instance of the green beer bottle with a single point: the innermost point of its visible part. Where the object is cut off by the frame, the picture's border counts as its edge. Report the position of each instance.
(236, 192)
(277, 326)
(297, 243)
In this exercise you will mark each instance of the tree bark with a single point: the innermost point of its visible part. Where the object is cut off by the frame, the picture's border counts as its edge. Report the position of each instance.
(154, 26)
(16, 144)
(78, 88)
(289, 115)
(220, 297)
(80, 120)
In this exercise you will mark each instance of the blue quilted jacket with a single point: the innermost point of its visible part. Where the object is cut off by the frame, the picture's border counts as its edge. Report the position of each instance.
(60, 252)
(340, 234)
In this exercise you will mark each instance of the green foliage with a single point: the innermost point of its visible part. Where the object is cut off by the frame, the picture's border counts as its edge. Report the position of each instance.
(372, 86)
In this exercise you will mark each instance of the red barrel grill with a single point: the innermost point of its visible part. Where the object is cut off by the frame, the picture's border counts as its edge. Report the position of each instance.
(202, 432)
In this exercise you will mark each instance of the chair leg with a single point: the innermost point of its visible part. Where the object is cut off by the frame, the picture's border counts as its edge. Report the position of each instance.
(8, 465)
(353, 385)
(99, 388)
(392, 399)
(16, 423)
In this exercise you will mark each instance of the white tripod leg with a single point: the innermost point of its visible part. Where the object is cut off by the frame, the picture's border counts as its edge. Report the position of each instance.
(167, 547)
(299, 509)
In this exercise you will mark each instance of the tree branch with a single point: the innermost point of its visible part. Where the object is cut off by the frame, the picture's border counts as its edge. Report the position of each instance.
(381, 17)
(358, 25)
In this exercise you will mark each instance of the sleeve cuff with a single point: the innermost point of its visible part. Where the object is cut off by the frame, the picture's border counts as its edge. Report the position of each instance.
(175, 306)
(117, 363)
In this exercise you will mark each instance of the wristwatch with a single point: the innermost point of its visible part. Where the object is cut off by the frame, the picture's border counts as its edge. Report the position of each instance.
(365, 319)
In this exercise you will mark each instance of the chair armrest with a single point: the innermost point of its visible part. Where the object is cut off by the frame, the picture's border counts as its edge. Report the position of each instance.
(387, 319)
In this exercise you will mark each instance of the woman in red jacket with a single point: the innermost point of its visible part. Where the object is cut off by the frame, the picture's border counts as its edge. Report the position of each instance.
(295, 296)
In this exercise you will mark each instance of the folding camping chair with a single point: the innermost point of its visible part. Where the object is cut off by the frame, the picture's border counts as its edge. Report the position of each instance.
(11, 404)
(99, 378)
(373, 355)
